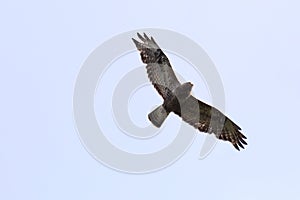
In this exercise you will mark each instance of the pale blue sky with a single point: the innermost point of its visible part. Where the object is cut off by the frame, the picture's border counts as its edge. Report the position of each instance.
(254, 45)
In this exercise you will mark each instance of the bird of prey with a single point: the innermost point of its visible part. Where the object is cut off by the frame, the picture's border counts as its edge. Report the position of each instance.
(178, 99)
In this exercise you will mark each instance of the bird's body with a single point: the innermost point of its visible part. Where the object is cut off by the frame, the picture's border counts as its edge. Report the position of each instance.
(178, 99)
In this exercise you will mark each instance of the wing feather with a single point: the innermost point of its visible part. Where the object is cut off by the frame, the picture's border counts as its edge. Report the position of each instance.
(159, 69)
(210, 120)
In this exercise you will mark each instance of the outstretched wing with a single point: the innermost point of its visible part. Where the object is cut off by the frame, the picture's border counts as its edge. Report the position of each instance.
(210, 120)
(158, 67)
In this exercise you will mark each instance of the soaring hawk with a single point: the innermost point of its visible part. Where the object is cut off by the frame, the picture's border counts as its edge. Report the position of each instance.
(178, 99)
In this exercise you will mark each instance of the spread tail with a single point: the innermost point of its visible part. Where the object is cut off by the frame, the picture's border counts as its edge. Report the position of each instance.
(158, 116)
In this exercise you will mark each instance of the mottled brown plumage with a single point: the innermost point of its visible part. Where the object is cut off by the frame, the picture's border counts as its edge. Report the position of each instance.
(177, 97)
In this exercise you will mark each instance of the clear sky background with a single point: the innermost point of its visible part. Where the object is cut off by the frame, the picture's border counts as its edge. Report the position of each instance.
(254, 45)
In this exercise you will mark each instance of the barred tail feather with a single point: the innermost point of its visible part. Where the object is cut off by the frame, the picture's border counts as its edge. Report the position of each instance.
(158, 116)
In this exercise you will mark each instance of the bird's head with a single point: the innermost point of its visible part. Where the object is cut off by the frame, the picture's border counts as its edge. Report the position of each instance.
(187, 86)
(183, 91)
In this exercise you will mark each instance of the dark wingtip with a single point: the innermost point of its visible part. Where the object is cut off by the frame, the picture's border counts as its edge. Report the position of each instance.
(239, 143)
(153, 40)
(243, 136)
(141, 37)
(243, 141)
(236, 146)
(137, 43)
(146, 37)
